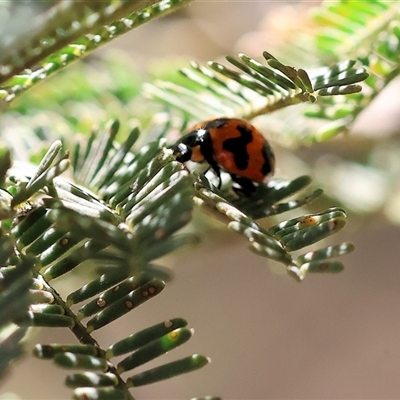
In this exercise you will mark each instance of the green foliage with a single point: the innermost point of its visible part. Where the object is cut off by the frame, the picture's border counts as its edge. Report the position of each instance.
(367, 32)
(67, 33)
(126, 197)
(280, 240)
(15, 282)
(257, 90)
(66, 227)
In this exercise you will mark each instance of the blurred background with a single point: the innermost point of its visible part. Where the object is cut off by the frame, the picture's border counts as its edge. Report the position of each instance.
(332, 336)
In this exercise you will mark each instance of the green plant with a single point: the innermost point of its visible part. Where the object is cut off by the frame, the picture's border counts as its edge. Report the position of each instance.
(126, 204)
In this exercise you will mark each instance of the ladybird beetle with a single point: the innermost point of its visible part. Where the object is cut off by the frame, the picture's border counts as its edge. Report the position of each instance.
(232, 145)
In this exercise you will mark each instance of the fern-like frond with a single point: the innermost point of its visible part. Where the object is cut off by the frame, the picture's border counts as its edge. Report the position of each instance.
(366, 31)
(164, 194)
(254, 88)
(139, 348)
(15, 298)
(70, 31)
(281, 240)
(356, 29)
(127, 217)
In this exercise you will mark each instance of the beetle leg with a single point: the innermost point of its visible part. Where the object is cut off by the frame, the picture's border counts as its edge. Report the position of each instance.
(207, 151)
(218, 174)
(243, 185)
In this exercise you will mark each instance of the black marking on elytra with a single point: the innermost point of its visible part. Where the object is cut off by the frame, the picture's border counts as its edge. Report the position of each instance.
(268, 164)
(237, 146)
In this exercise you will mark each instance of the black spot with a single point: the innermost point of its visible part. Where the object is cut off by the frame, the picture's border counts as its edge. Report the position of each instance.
(237, 146)
(269, 160)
